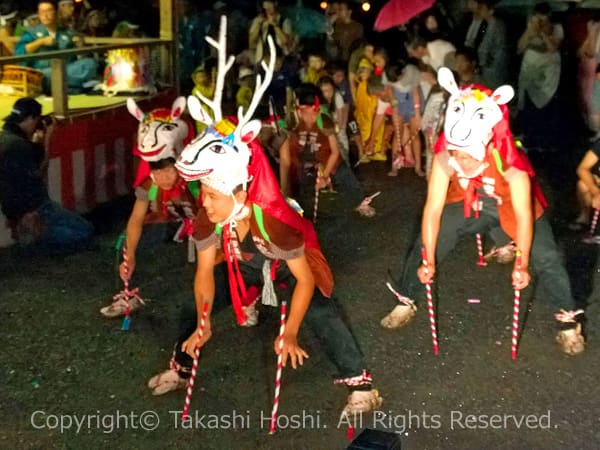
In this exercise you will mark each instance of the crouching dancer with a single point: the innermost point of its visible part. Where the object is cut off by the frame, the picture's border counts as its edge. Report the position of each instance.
(264, 241)
(480, 181)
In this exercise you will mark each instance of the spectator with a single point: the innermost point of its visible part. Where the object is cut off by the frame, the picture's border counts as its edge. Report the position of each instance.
(49, 36)
(477, 26)
(191, 45)
(94, 24)
(270, 23)
(363, 50)
(539, 77)
(32, 216)
(315, 69)
(66, 14)
(438, 53)
(492, 53)
(247, 81)
(465, 63)
(345, 30)
(8, 13)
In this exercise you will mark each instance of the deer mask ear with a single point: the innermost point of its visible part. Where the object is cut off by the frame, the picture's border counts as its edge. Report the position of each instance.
(446, 80)
(134, 109)
(250, 131)
(197, 111)
(503, 94)
(178, 108)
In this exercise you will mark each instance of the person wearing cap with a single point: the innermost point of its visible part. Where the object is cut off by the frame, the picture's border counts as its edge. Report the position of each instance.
(481, 181)
(32, 216)
(48, 36)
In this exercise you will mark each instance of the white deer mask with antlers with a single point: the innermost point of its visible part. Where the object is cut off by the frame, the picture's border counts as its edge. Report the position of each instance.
(219, 157)
(162, 132)
(471, 115)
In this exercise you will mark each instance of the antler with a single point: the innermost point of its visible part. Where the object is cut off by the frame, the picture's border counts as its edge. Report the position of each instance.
(222, 69)
(261, 86)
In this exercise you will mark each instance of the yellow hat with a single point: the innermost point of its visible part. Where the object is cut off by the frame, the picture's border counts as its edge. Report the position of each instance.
(365, 64)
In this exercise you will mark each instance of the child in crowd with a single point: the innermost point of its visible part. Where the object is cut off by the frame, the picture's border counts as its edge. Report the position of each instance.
(204, 85)
(381, 119)
(433, 113)
(363, 51)
(315, 69)
(364, 112)
(244, 94)
(338, 75)
(165, 204)
(406, 107)
(338, 110)
(310, 157)
(465, 60)
(588, 192)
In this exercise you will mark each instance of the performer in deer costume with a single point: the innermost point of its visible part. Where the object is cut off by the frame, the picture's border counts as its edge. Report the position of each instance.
(165, 203)
(264, 240)
(480, 180)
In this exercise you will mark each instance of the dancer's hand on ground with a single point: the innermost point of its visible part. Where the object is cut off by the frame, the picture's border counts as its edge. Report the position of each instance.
(290, 349)
(126, 269)
(189, 346)
(426, 273)
(520, 278)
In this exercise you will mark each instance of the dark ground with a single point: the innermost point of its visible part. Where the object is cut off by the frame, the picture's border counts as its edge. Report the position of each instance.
(61, 359)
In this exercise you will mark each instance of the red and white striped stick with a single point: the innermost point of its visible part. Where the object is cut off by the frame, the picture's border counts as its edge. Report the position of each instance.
(481, 262)
(430, 304)
(127, 319)
(316, 206)
(279, 369)
(190, 387)
(594, 222)
(516, 305)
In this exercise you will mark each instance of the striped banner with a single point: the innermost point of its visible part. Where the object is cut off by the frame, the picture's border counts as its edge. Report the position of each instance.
(91, 160)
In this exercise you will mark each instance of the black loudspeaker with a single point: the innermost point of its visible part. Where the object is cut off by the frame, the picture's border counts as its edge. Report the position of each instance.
(371, 439)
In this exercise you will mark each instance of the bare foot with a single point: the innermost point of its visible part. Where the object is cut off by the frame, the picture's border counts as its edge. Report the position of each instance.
(393, 173)
(419, 172)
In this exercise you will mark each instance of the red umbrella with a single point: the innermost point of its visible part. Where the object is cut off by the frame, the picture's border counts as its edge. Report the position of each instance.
(398, 12)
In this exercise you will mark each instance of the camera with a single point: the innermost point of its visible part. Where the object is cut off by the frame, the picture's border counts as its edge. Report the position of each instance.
(44, 122)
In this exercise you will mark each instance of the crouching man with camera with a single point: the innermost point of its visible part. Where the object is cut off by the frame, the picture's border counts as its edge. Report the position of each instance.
(33, 218)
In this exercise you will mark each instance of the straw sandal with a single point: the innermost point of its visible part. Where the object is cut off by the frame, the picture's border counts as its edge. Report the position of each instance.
(571, 341)
(119, 305)
(166, 381)
(362, 402)
(399, 316)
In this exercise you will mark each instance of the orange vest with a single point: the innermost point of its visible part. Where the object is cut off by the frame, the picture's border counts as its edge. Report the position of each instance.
(494, 185)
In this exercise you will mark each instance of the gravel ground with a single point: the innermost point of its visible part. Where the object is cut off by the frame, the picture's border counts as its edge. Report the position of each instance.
(62, 364)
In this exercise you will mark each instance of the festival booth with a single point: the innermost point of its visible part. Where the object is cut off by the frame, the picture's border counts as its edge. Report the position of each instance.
(90, 148)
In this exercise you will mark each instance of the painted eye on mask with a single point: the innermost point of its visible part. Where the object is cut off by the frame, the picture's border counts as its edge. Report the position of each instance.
(218, 149)
(169, 127)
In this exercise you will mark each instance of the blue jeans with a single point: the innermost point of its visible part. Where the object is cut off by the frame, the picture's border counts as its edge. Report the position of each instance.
(77, 73)
(62, 229)
(349, 192)
(323, 318)
(545, 259)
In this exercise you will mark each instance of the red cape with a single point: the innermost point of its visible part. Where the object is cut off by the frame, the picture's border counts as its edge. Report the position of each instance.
(264, 191)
